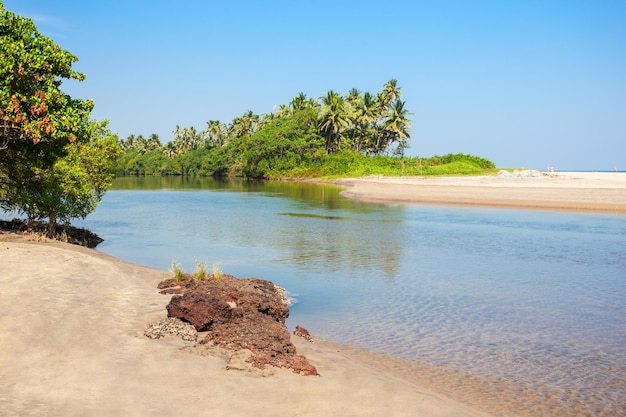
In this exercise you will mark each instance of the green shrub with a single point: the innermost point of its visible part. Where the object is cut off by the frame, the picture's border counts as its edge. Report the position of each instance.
(177, 273)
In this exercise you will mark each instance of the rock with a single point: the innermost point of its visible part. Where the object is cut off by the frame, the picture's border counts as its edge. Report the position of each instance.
(239, 314)
(303, 333)
(171, 327)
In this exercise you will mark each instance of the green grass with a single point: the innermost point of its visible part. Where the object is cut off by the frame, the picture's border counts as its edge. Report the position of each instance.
(200, 273)
(351, 164)
(217, 272)
(177, 272)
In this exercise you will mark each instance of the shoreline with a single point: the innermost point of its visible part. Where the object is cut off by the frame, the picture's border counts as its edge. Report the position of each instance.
(562, 191)
(71, 336)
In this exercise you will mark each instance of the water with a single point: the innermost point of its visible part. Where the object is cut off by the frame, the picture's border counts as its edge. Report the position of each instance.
(529, 299)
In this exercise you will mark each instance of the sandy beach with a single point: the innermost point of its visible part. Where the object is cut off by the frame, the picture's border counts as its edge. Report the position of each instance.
(568, 191)
(72, 344)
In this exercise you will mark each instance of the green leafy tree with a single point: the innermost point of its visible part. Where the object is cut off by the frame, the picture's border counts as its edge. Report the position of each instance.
(54, 163)
(282, 145)
(75, 184)
(37, 120)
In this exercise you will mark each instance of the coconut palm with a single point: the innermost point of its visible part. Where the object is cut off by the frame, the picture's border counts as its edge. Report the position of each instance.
(215, 132)
(169, 150)
(390, 93)
(245, 125)
(396, 128)
(153, 142)
(300, 102)
(367, 114)
(333, 120)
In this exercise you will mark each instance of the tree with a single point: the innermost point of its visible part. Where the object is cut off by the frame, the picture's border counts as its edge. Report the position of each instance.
(216, 133)
(74, 185)
(333, 120)
(54, 162)
(154, 142)
(37, 120)
(282, 145)
(396, 127)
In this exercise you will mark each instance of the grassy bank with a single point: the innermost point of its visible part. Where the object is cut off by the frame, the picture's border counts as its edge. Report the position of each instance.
(342, 164)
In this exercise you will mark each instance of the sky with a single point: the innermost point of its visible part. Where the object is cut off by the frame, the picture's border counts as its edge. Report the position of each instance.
(526, 84)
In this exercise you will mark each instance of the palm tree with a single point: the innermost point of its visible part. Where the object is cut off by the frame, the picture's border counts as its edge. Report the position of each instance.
(128, 143)
(153, 142)
(367, 114)
(194, 139)
(169, 150)
(396, 127)
(215, 132)
(283, 111)
(300, 102)
(333, 120)
(140, 144)
(390, 93)
(245, 125)
(252, 122)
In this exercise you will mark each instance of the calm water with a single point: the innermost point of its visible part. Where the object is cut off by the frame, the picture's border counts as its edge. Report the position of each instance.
(532, 298)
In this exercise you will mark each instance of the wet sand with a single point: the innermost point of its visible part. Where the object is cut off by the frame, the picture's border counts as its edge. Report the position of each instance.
(567, 191)
(72, 344)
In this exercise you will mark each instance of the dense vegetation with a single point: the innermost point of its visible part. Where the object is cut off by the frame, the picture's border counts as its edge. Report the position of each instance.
(359, 134)
(55, 163)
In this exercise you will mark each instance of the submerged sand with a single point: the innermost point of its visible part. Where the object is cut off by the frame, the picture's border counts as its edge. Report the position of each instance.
(571, 191)
(72, 344)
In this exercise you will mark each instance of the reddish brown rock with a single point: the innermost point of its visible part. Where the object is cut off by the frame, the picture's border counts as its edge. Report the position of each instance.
(239, 314)
(303, 333)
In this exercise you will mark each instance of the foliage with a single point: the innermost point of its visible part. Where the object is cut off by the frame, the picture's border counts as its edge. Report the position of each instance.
(37, 120)
(217, 272)
(55, 163)
(290, 142)
(353, 164)
(357, 134)
(200, 273)
(177, 272)
(281, 145)
(451, 158)
(74, 185)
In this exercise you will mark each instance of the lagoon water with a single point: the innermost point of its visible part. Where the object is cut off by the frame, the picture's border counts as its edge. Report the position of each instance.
(530, 298)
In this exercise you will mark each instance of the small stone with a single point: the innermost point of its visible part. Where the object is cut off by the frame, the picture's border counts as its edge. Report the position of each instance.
(303, 333)
(171, 327)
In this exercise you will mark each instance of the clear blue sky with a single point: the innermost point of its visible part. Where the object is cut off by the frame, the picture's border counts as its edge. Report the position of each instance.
(524, 83)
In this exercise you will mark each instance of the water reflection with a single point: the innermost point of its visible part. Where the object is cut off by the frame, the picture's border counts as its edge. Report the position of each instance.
(307, 226)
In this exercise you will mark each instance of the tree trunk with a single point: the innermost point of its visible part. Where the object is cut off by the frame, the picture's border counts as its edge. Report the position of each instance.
(52, 225)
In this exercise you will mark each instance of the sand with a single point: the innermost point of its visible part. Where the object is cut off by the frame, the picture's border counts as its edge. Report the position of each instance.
(72, 344)
(566, 191)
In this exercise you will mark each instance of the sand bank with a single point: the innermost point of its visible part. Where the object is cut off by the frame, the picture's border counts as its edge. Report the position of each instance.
(586, 192)
(72, 344)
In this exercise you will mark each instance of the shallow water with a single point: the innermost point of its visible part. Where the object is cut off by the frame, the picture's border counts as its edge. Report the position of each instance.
(528, 300)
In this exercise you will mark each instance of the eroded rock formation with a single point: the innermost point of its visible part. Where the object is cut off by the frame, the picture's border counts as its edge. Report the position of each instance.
(238, 314)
